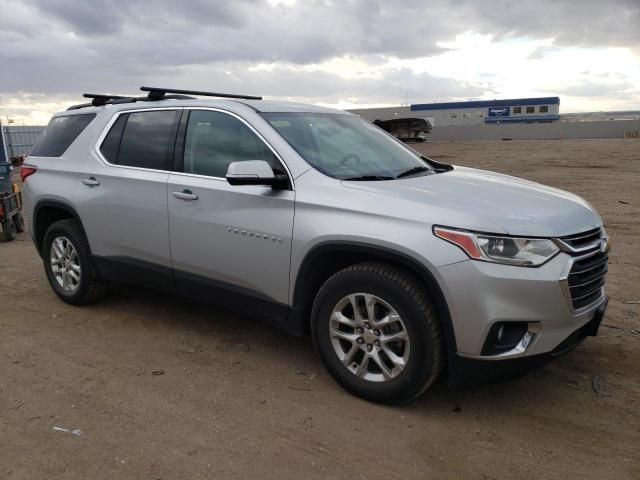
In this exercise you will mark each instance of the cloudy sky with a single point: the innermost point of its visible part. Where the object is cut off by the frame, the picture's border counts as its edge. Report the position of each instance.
(343, 53)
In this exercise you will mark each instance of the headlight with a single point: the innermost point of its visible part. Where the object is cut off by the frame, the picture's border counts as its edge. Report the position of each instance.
(524, 252)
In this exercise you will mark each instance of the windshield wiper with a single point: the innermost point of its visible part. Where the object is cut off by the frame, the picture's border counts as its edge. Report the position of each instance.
(362, 178)
(438, 167)
(412, 171)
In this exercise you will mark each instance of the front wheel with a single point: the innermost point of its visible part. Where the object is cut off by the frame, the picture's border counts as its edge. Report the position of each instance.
(376, 331)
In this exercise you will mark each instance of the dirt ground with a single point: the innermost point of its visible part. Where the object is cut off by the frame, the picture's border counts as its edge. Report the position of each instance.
(159, 387)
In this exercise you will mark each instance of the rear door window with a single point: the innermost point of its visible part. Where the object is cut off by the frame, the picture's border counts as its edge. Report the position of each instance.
(142, 139)
(60, 134)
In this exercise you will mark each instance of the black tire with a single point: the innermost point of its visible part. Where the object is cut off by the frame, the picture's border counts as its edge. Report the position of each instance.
(408, 296)
(90, 286)
(9, 230)
(18, 220)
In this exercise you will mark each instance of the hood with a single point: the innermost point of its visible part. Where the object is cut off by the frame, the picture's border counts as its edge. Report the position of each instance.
(485, 201)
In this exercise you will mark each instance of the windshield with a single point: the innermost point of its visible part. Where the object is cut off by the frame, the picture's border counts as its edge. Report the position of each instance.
(346, 147)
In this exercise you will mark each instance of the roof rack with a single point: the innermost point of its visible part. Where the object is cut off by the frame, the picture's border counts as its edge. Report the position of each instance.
(98, 99)
(154, 94)
(159, 93)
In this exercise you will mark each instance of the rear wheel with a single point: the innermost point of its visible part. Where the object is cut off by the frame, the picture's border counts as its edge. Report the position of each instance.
(68, 266)
(9, 230)
(375, 329)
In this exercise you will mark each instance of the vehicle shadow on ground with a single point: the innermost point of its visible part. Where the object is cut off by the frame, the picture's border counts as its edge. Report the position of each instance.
(212, 326)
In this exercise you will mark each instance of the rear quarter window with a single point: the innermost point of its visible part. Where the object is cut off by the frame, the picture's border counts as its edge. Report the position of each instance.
(111, 144)
(142, 139)
(60, 134)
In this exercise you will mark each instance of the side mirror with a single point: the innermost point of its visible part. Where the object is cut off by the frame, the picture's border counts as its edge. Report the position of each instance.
(254, 172)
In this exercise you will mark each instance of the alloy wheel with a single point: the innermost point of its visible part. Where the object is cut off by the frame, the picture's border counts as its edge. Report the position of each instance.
(369, 337)
(65, 264)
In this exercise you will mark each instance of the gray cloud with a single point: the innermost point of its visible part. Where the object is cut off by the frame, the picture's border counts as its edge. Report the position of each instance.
(590, 88)
(63, 47)
(569, 22)
(389, 85)
(96, 17)
(540, 52)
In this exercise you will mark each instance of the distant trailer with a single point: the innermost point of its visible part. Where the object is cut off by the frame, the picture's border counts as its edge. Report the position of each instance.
(406, 129)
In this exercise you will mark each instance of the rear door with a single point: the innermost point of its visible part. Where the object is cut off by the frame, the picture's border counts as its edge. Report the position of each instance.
(124, 205)
(232, 241)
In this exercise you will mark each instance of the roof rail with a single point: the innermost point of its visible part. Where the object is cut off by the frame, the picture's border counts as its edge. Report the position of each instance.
(159, 93)
(79, 106)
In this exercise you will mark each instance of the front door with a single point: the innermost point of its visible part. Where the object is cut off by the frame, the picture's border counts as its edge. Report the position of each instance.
(229, 244)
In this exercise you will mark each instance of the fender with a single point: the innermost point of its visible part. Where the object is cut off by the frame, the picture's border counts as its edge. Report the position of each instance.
(37, 235)
(310, 277)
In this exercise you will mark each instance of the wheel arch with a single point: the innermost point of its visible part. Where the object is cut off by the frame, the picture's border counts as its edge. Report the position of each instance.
(325, 259)
(45, 213)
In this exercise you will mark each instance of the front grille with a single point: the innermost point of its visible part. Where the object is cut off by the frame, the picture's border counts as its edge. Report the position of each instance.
(584, 239)
(586, 278)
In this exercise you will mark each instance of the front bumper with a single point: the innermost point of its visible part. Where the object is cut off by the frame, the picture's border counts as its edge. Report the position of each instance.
(481, 294)
(465, 371)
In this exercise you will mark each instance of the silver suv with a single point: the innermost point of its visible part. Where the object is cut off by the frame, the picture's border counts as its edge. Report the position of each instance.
(313, 219)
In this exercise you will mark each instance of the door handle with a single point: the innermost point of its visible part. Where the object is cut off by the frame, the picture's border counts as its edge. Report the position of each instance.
(186, 195)
(91, 182)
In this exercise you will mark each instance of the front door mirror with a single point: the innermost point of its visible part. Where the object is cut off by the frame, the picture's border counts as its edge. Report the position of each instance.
(254, 172)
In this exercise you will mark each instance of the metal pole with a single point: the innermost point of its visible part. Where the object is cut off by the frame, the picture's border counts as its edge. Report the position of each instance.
(4, 143)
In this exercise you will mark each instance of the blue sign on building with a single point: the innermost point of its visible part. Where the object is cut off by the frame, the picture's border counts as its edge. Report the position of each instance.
(499, 111)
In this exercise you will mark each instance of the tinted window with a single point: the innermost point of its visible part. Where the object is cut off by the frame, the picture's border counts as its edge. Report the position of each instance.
(215, 139)
(60, 133)
(148, 139)
(111, 144)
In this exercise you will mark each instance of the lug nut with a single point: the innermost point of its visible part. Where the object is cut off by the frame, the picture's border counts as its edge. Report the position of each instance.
(377, 332)
(367, 326)
(359, 330)
(360, 341)
(377, 342)
(369, 348)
